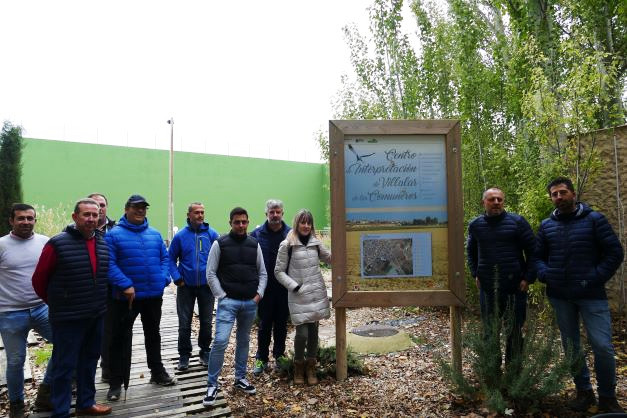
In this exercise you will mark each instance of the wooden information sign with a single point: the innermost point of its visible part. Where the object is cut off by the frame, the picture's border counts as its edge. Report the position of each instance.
(396, 219)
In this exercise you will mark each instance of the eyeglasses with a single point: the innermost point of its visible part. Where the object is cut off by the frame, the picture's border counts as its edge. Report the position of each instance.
(238, 222)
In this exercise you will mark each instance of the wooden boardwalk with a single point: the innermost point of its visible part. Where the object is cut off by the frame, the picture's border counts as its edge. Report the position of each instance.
(148, 400)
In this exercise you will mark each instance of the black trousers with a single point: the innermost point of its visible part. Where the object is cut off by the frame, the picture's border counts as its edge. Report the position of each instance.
(273, 313)
(122, 320)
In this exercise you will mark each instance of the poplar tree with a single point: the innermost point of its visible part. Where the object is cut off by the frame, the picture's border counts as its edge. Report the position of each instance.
(10, 172)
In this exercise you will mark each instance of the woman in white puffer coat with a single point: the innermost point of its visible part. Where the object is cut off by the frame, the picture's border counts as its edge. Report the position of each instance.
(298, 269)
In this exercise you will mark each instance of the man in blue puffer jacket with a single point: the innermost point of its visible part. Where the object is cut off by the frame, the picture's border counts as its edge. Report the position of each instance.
(578, 252)
(138, 273)
(500, 251)
(190, 248)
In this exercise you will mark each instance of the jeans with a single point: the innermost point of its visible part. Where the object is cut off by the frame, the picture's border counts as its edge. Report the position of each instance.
(14, 327)
(77, 347)
(273, 313)
(122, 322)
(185, 298)
(306, 334)
(598, 324)
(229, 311)
(516, 304)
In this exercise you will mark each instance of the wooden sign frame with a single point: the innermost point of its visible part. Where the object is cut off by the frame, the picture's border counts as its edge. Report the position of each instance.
(342, 296)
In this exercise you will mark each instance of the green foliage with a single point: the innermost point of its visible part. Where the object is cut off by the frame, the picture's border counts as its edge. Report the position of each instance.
(42, 354)
(526, 79)
(51, 221)
(327, 363)
(10, 172)
(327, 360)
(533, 373)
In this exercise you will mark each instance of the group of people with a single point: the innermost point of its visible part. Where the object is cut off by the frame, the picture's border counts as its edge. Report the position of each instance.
(575, 252)
(83, 289)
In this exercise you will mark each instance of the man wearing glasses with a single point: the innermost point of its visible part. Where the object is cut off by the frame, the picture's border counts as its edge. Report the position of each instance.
(138, 273)
(237, 277)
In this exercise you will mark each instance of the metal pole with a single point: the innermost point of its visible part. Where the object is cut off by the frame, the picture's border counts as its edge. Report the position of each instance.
(170, 183)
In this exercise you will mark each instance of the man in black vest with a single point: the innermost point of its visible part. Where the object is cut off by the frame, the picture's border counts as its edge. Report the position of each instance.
(237, 277)
(71, 277)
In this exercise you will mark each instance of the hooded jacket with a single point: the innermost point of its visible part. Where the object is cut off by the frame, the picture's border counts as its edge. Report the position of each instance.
(310, 303)
(137, 258)
(577, 253)
(191, 249)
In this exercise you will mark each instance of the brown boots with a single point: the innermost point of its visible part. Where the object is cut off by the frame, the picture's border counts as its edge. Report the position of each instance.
(299, 372)
(312, 378)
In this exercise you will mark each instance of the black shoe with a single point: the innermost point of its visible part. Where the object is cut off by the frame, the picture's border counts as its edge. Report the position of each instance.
(245, 386)
(607, 404)
(162, 378)
(212, 395)
(42, 401)
(114, 393)
(203, 358)
(183, 363)
(16, 409)
(584, 400)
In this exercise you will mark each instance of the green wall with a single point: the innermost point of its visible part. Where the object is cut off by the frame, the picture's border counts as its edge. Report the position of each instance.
(56, 172)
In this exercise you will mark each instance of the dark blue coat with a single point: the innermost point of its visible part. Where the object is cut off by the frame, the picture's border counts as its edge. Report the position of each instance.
(75, 292)
(577, 253)
(137, 258)
(191, 249)
(501, 247)
(269, 241)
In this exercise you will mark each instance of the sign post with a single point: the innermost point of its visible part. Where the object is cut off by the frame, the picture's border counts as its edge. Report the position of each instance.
(397, 219)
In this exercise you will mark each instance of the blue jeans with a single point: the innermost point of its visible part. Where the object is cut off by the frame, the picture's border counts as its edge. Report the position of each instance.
(77, 347)
(14, 327)
(229, 311)
(185, 298)
(598, 324)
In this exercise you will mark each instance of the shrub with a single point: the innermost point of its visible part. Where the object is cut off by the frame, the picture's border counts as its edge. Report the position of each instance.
(534, 372)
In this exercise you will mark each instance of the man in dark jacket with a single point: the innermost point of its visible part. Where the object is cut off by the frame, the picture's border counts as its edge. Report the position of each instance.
(71, 277)
(500, 257)
(188, 265)
(138, 273)
(104, 225)
(273, 310)
(237, 277)
(578, 252)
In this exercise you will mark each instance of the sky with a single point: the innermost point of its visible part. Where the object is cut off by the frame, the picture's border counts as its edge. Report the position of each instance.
(245, 78)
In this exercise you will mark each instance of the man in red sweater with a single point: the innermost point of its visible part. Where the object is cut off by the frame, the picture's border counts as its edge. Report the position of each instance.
(71, 277)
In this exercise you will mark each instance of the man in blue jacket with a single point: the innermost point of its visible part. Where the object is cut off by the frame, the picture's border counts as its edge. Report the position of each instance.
(273, 310)
(190, 248)
(578, 252)
(138, 273)
(500, 251)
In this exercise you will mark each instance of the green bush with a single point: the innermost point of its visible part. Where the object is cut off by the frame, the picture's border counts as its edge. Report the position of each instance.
(51, 221)
(533, 373)
(326, 363)
(42, 354)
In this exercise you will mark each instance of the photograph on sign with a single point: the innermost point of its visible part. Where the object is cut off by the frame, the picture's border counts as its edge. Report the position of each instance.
(396, 255)
(396, 212)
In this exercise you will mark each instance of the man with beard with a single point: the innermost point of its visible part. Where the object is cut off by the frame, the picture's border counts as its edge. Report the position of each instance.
(20, 308)
(273, 310)
(578, 252)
